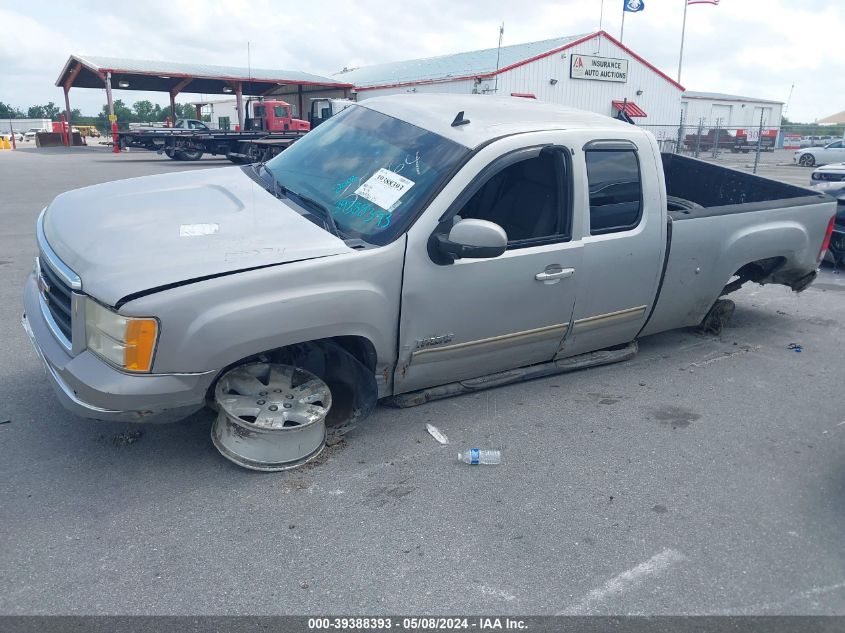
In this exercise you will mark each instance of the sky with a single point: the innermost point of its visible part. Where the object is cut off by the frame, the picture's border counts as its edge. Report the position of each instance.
(756, 48)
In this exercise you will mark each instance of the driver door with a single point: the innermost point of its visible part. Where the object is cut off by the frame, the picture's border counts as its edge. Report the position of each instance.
(468, 318)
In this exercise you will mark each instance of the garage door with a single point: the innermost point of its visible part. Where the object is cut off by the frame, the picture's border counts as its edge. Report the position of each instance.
(720, 115)
(767, 116)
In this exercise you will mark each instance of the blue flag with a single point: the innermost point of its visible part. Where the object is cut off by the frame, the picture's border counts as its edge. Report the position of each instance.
(634, 5)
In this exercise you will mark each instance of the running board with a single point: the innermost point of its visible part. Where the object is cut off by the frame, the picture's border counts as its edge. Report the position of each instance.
(552, 368)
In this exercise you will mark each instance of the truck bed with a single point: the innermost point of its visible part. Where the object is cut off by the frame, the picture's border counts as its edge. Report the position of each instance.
(738, 227)
(717, 190)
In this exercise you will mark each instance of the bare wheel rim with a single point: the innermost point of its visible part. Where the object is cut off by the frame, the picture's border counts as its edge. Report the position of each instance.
(271, 417)
(273, 397)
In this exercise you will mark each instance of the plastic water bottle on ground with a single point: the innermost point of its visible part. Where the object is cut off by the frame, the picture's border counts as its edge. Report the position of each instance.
(476, 456)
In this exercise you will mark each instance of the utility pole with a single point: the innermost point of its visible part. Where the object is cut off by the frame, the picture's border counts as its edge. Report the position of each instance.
(498, 52)
(683, 34)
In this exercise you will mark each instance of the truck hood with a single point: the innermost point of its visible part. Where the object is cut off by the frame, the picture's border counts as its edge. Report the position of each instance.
(134, 235)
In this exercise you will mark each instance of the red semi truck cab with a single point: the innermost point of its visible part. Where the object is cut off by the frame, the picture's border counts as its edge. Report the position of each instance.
(272, 115)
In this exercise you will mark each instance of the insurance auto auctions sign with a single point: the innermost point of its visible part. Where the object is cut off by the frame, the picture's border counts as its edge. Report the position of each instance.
(598, 68)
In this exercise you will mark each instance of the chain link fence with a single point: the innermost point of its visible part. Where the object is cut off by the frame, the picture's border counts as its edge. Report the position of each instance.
(708, 139)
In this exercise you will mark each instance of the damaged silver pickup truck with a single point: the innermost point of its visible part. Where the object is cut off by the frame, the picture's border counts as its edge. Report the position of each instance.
(410, 248)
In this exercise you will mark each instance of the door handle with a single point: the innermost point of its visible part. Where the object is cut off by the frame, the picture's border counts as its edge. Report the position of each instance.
(555, 274)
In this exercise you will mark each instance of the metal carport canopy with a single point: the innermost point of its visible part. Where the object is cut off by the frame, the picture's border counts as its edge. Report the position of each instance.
(83, 71)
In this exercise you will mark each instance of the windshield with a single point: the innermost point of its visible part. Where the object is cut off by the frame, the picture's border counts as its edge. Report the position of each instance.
(372, 172)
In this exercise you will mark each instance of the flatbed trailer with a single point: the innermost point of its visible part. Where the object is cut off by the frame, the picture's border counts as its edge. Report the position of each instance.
(270, 130)
(238, 147)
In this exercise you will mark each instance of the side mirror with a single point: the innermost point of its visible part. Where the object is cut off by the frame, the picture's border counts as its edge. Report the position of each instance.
(474, 239)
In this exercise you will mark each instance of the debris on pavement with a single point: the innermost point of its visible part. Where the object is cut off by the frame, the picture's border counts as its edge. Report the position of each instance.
(5, 421)
(436, 433)
(795, 347)
(127, 438)
(476, 456)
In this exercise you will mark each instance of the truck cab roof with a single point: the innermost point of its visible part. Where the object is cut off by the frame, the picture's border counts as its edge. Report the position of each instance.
(489, 117)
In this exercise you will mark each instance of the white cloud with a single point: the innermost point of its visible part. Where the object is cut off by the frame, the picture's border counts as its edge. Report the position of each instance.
(752, 47)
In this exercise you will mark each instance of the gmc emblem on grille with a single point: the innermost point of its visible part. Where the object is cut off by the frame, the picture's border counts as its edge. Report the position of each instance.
(43, 286)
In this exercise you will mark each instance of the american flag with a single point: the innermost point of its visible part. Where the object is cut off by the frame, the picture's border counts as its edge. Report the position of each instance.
(702, 1)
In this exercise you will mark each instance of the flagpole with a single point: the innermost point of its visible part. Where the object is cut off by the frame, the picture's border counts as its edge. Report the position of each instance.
(601, 20)
(683, 34)
(622, 32)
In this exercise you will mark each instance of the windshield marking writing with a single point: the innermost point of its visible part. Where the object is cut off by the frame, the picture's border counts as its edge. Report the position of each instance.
(364, 211)
(406, 162)
(341, 187)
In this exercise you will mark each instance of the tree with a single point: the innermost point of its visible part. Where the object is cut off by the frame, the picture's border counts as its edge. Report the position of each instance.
(183, 111)
(144, 110)
(48, 111)
(124, 114)
(9, 112)
(141, 111)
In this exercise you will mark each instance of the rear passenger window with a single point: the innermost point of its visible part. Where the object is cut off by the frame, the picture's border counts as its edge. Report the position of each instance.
(615, 190)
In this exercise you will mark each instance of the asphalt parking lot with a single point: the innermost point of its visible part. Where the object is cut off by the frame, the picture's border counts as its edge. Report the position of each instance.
(777, 165)
(705, 476)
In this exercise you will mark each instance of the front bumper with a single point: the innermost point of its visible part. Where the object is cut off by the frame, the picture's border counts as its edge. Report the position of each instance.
(90, 388)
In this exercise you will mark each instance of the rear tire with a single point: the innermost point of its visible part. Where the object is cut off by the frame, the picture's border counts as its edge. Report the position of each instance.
(189, 154)
(717, 317)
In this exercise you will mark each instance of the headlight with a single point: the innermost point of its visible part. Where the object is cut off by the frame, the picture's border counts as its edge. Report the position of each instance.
(127, 342)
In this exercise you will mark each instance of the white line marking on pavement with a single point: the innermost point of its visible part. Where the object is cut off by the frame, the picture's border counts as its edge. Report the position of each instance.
(497, 593)
(744, 349)
(620, 584)
(807, 594)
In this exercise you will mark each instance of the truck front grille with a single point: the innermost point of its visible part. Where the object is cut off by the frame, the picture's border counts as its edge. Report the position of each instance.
(57, 297)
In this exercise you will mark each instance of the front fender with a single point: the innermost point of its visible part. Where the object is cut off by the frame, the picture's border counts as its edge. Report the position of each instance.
(211, 324)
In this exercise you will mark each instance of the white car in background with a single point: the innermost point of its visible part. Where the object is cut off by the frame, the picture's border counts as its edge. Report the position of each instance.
(830, 179)
(833, 172)
(812, 156)
(8, 136)
(29, 135)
